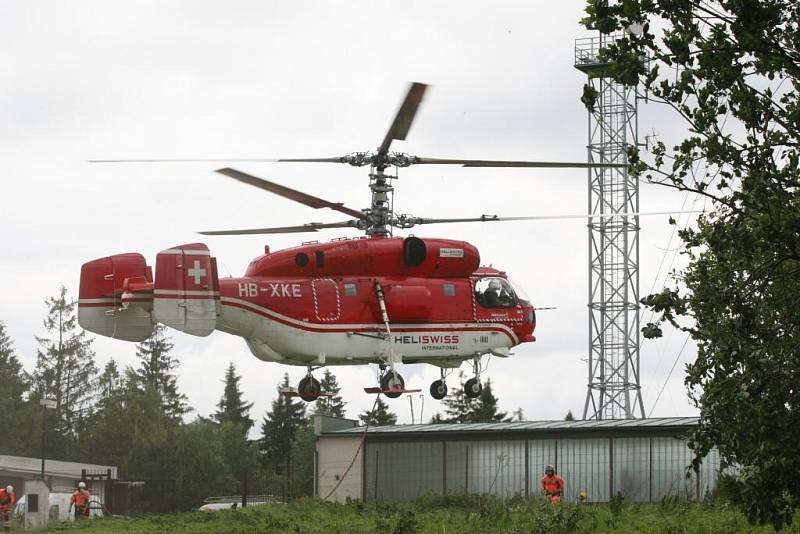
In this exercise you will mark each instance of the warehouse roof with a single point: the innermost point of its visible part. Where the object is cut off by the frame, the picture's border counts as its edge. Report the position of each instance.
(528, 427)
(32, 466)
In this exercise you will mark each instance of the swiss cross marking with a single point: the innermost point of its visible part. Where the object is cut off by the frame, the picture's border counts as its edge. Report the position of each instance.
(196, 272)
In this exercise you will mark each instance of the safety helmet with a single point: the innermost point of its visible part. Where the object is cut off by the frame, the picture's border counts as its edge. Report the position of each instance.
(10, 489)
(549, 469)
(494, 283)
(82, 485)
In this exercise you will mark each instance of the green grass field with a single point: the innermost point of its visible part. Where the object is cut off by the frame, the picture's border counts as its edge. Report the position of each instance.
(441, 515)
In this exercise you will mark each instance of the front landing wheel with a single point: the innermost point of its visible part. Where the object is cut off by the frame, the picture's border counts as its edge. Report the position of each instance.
(473, 388)
(391, 381)
(309, 388)
(438, 390)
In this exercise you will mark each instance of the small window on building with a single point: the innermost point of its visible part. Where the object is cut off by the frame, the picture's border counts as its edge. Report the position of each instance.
(350, 290)
(449, 290)
(33, 503)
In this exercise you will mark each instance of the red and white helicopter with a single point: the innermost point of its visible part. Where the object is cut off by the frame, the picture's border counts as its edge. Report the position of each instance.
(373, 299)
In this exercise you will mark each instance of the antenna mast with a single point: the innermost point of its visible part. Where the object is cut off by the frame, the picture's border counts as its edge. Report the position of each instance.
(614, 389)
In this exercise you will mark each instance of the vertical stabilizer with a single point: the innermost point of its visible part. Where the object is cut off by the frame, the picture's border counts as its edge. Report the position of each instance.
(186, 292)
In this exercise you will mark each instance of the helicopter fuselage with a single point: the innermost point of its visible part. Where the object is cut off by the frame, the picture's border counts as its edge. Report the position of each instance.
(347, 302)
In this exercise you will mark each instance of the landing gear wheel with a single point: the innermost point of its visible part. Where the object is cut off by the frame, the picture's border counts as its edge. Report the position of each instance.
(473, 388)
(309, 388)
(438, 390)
(392, 380)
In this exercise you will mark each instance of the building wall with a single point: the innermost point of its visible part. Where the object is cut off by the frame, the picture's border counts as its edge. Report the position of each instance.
(334, 455)
(643, 469)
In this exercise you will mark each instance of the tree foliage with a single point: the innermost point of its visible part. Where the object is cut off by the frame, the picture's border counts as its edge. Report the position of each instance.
(731, 70)
(126, 419)
(232, 408)
(14, 384)
(109, 382)
(156, 372)
(279, 427)
(65, 369)
(485, 409)
(459, 408)
(379, 415)
(333, 405)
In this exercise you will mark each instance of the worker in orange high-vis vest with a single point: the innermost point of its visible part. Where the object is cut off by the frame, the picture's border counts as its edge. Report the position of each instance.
(552, 484)
(7, 500)
(80, 499)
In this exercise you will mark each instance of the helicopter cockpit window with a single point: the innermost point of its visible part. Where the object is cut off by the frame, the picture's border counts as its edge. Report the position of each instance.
(493, 292)
(522, 296)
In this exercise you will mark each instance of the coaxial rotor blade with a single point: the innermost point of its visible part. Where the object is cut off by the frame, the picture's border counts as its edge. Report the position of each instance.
(504, 163)
(178, 160)
(314, 160)
(407, 222)
(310, 227)
(404, 117)
(291, 194)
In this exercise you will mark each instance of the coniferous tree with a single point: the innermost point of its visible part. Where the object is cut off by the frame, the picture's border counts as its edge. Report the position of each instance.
(65, 369)
(569, 416)
(302, 471)
(334, 405)
(14, 383)
(380, 416)
(155, 372)
(437, 419)
(457, 405)
(484, 408)
(231, 407)
(109, 382)
(279, 427)
(459, 408)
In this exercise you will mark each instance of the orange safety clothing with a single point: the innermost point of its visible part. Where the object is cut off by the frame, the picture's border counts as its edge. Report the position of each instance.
(80, 498)
(553, 486)
(7, 499)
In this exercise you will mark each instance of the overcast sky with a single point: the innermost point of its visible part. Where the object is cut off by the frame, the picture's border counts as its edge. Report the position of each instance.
(85, 80)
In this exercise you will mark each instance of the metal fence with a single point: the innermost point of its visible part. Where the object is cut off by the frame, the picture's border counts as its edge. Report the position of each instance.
(642, 469)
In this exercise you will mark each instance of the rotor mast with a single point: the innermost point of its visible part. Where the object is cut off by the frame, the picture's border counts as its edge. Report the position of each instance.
(379, 214)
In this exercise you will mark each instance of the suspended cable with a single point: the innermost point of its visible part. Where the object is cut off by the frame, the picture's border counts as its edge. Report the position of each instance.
(358, 450)
(669, 376)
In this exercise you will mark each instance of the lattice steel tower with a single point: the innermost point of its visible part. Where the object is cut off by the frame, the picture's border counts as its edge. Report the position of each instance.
(614, 390)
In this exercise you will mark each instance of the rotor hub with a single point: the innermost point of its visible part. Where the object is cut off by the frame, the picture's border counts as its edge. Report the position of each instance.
(379, 160)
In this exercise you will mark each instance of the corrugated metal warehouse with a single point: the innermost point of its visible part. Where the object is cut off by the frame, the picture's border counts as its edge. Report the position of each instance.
(644, 459)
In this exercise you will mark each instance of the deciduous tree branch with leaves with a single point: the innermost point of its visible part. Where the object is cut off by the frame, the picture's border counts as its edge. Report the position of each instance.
(731, 71)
